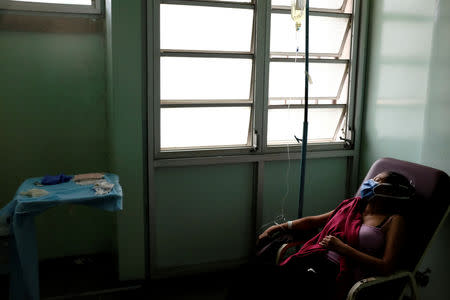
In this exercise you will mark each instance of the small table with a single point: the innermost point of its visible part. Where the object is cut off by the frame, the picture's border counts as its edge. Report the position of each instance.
(24, 263)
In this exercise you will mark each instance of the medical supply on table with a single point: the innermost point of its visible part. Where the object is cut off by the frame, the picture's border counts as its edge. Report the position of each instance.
(24, 271)
(34, 193)
(89, 181)
(55, 179)
(103, 187)
(88, 176)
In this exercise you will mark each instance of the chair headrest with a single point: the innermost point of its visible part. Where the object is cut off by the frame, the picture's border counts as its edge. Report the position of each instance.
(431, 199)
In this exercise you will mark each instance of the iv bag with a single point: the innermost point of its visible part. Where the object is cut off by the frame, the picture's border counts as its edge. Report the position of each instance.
(298, 12)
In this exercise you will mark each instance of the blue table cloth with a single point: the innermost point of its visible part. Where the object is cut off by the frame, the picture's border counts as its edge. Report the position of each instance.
(24, 275)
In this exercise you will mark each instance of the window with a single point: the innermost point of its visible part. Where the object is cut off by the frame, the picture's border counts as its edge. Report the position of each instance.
(206, 74)
(66, 6)
(231, 79)
(329, 64)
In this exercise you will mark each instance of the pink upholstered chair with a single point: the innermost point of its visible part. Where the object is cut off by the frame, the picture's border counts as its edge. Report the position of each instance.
(425, 216)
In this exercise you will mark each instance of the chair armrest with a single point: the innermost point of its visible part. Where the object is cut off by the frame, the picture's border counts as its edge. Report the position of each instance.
(371, 281)
(284, 248)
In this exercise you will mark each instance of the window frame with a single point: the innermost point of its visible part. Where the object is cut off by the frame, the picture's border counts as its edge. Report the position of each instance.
(158, 103)
(94, 8)
(312, 145)
(260, 75)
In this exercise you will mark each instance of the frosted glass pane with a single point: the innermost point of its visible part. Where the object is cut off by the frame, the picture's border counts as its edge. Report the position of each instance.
(283, 124)
(286, 79)
(206, 28)
(204, 126)
(407, 41)
(331, 4)
(73, 2)
(188, 78)
(325, 34)
(414, 8)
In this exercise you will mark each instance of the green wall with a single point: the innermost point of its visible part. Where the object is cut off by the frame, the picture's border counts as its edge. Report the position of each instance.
(204, 215)
(407, 101)
(125, 69)
(325, 183)
(53, 120)
(436, 146)
(399, 53)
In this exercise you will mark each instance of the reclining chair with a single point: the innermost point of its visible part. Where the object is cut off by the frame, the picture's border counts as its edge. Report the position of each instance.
(427, 212)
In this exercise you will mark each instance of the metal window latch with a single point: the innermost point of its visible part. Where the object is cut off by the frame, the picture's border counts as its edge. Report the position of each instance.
(348, 142)
(255, 141)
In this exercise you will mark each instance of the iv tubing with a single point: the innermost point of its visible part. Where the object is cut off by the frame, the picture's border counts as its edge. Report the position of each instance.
(280, 219)
(305, 119)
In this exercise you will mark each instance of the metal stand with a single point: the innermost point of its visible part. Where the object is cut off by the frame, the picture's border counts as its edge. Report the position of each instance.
(305, 119)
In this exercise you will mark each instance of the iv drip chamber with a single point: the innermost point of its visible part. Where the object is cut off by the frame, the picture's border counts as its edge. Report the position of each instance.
(298, 12)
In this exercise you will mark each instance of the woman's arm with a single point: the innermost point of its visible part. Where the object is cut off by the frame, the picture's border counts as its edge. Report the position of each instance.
(384, 265)
(302, 224)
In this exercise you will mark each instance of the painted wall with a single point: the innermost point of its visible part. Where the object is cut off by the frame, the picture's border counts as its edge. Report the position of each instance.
(125, 65)
(436, 146)
(204, 214)
(53, 120)
(399, 54)
(407, 101)
(325, 183)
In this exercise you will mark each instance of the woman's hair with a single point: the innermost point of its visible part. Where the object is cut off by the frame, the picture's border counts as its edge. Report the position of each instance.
(399, 186)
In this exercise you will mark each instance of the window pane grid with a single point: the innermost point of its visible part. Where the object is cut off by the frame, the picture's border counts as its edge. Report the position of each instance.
(70, 2)
(204, 127)
(330, 23)
(60, 6)
(205, 28)
(203, 113)
(249, 4)
(205, 78)
(329, 4)
(311, 60)
(206, 75)
(314, 12)
(324, 124)
(217, 54)
(326, 36)
(312, 106)
(203, 103)
(286, 80)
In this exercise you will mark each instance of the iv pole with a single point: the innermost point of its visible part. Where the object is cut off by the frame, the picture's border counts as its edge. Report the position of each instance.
(305, 119)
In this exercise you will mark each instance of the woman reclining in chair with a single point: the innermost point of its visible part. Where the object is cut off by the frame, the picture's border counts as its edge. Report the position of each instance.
(362, 237)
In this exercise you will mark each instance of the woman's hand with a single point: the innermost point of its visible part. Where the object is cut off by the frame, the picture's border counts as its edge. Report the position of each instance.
(333, 243)
(269, 231)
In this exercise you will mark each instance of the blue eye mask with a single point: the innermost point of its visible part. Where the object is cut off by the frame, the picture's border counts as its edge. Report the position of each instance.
(371, 188)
